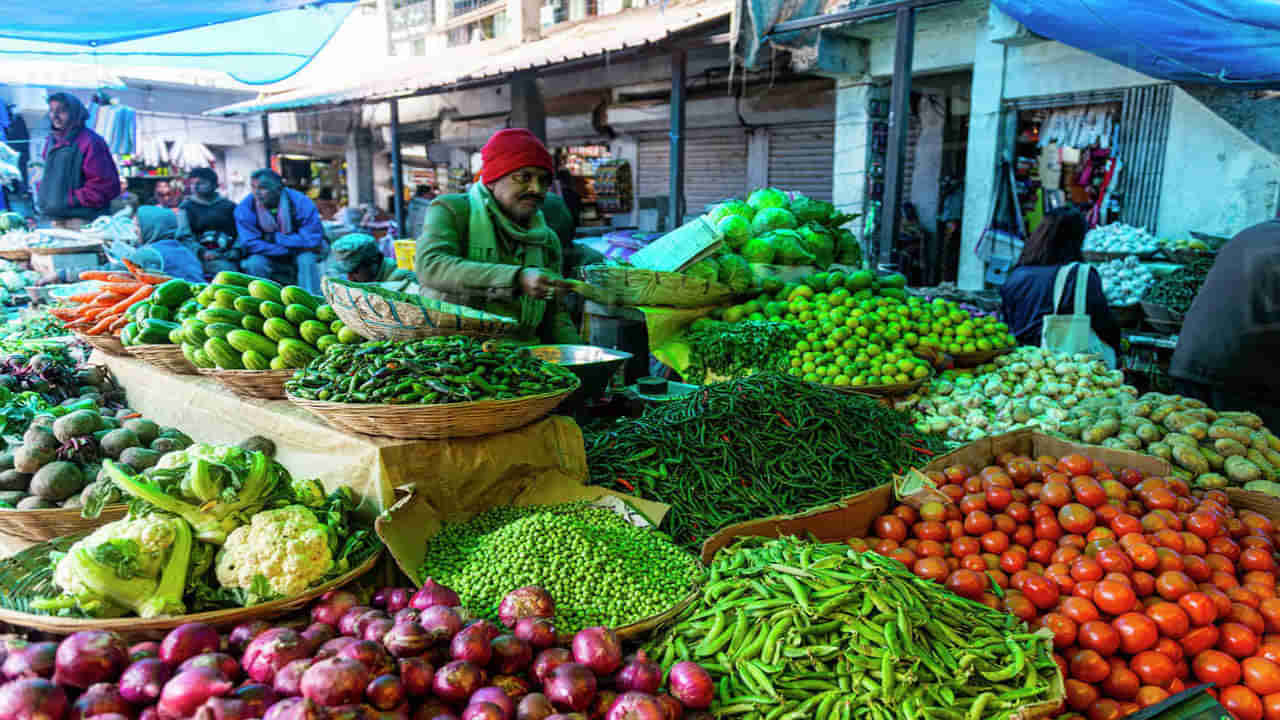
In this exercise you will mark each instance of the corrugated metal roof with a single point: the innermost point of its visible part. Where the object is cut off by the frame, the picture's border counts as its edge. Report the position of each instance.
(611, 33)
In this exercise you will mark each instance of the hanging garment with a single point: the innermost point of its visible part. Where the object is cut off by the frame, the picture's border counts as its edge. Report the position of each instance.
(1050, 166)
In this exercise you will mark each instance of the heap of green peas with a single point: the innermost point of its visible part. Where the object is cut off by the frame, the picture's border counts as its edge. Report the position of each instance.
(598, 568)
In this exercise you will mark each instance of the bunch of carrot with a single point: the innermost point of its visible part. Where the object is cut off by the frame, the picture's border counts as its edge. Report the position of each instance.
(105, 311)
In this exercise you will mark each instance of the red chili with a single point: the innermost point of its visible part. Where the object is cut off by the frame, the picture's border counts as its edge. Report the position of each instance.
(623, 482)
(783, 419)
(922, 450)
(725, 438)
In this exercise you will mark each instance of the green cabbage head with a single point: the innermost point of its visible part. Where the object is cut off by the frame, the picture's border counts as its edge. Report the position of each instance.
(730, 207)
(773, 219)
(735, 272)
(808, 210)
(735, 229)
(705, 269)
(758, 250)
(765, 198)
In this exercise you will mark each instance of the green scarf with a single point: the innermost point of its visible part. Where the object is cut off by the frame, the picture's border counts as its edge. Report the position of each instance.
(540, 243)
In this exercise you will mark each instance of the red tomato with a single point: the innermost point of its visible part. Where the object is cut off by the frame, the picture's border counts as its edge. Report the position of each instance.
(930, 548)
(1076, 518)
(1173, 584)
(890, 527)
(1144, 583)
(930, 530)
(1075, 464)
(1063, 628)
(1078, 609)
(1253, 558)
(1143, 555)
(995, 542)
(1199, 608)
(1196, 568)
(1153, 668)
(1004, 523)
(1270, 650)
(1216, 667)
(1041, 591)
(1122, 683)
(1220, 599)
(955, 529)
(1200, 639)
(1019, 511)
(967, 583)
(1061, 576)
(1047, 528)
(1171, 648)
(1013, 559)
(1017, 605)
(932, 568)
(1088, 492)
(1085, 568)
(1270, 609)
(1248, 617)
(973, 562)
(978, 523)
(964, 546)
(1055, 493)
(1224, 580)
(1169, 560)
(904, 556)
(1088, 666)
(1137, 632)
(1171, 619)
(1160, 499)
(933, 511)
(1042, 551)
(1149, 695)
(1114, 559)
(1225, 546)
(1241, 702)
(1114, 598)
(884, 547)
(1172, 540)
(1080, 695)
(1271, 707)
(998, 497)
(1024, 535)
(977, 502)
(1195, 545)
(1099, 636)
(1260, 675)
(1066, 554)
(1237, 640)
(1105, 709)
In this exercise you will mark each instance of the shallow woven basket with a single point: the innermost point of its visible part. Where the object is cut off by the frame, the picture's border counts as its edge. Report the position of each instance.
(1098, 256)
(980, 357)
(109, 344)
(632, 286)
(376, 317)
(36, 526)
(26, 577)
(165, 357)
(877, 390)
(261, 384)
(436, 422)
(67, 249)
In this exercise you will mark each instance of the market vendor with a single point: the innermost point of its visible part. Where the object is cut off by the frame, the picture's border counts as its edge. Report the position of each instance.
(493, 247)
(207, 223)
(1231, 335)
(158, 247)
(357, 255)
(1028, 292)
(281, 233)
(79, 179)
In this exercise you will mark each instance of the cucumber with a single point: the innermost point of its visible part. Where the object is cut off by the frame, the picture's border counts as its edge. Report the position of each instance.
(222, 354)
(205, 296)
(312, 330)
(325, 313)
(252, 323)
(277, 363)
(215, 315)
(295, 353)
(127, 334)
(248, 304)
(292, 294)
(201, 359)
(347, 336)
(265, 290)
(270, 309)
(177, 335)
(219, 330)
(172, 293)
(279, 329)
(298, 314)
(254, 361)
(245, 341)
(325, 341)
(226, 298)
(154, 332)
(335, 326)
(194, 331)
(189, 352)
(227, 277)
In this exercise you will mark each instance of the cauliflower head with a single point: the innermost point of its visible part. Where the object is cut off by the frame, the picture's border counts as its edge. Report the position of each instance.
(279, 553)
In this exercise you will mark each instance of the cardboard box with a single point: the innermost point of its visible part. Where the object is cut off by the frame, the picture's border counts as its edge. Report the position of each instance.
(74, 262)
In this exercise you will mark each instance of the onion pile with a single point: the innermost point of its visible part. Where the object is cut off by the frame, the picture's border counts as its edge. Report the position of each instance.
(407, 656)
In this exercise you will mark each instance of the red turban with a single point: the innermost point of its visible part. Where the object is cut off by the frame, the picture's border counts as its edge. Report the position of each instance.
(508, 151)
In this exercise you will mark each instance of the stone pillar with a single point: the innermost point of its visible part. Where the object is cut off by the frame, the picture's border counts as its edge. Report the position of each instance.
(360, 166)
(849, 174)
(524, 20)
(527, 110)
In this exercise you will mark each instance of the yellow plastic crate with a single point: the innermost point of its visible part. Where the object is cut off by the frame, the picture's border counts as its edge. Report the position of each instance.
(405, 250)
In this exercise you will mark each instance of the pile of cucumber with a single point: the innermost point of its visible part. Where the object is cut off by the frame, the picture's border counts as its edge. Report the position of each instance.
(242, 322)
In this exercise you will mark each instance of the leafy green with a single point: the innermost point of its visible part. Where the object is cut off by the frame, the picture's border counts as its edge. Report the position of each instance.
(120, 554)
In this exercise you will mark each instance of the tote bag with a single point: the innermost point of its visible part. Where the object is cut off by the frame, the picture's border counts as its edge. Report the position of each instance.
(1073, 333)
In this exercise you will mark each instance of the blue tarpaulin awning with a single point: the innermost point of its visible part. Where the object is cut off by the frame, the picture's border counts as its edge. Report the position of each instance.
(254, 41)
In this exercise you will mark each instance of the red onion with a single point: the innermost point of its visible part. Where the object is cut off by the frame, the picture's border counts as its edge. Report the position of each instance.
(571, 687)
(534, 706)
(692, 685)
(188, 690)
(221, 662)
(353, 711)
(472, 644)
(318, 634)
(32, 698)
(224, 709)
(347, 623)
(547, 661)
(406, 615)
(187, 641)
(528, 601)
(149, 713)
(515, 687)
(490, 629)
(406, 640)
(440, 622)
(456, 681)
(88, 657)
(332, 647)
(257, 697)
(431, 708)
(271, 651)
(336, 681)
(141, 682)
(385, 692)
(416, 674)
(635, 706)
(100, 699)
(142, 650)
(244, 633)
(34, 660)
(510, 654)
(496, 696)
(398, 599)
(377, 629)
(332, 606)
(294, 708)
(379, 599)
(432, 594)
(288, 679)
(639, 673)
(538, 632)
(671, 707)
(601, 703)
(372, 655)
(599, 649)
(111, 716)
(482, 711)
(568, 716)
(399, 712)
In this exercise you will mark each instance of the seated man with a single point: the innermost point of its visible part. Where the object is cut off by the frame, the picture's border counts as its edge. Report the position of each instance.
(358, 257)
(281, 233)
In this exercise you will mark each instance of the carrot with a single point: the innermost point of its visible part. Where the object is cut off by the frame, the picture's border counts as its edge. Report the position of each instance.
(63, 313)
(102, 326)
(120, 322)
(123, 289)
(143, 276)
(141, 294)
(104, 299)
(106, 276)
(82, 297)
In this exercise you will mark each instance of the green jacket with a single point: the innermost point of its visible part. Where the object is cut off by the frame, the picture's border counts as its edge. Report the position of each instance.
(390, 273)
(445, 273)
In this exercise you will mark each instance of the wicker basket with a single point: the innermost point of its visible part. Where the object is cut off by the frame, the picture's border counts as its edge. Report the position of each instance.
(632, 286)
(981, 357)
(67, 249)
(878, 390)
(165, 357)
(26, 577)
(261, 384)
(36, 526)
(436, 422)
(109, 344)
(382, 315)
(1097, 256)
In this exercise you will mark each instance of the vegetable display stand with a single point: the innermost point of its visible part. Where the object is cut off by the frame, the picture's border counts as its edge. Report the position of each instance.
(854, 516)
(633, 286)
(260, 384)
(1261, 503)
(166, 357)
(894, 390)
(109, 344)
(36, 526)
(981, 357)
(27, 576)
(380, 314)
(434, 422)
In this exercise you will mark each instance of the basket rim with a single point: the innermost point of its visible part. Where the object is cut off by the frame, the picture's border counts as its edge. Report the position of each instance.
(49, 512)
(215, 372)
(326, 405)
(505, 325)
(896, 388)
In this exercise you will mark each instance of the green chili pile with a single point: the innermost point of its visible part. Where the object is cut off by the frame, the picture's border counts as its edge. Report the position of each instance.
(600, 569)
(1178, 289)
(764, 445)
(734, 350)
(794, 629)
(432, 371)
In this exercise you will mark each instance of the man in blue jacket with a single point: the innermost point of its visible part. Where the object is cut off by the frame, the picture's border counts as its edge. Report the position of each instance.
(281, 233)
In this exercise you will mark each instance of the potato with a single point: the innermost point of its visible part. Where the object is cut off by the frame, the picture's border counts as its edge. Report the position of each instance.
(1241, 470)
(1214, 459)
(1180, 439)
(1197, 430)
(1100, 431)
(1131, 441)
(1228, 429)
(1149, 432)
(1268, 471)
(1229, 448)
(1248, 419)
(1161, 450)
(1190, 458)
(1161, 413)
(1212, 481)
(1258, 440)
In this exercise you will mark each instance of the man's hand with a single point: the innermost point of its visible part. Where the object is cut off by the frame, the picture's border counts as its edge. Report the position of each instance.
(540, 284)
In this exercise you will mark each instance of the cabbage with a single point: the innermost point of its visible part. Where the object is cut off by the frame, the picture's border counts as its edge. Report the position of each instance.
(765, 198)
(705, 269)
(819, 243)
(772, 219)
(758, 250)
(848, 251)
(730, 207)
(808, 210)
(735, 229)
(788, 248)
(735, 272)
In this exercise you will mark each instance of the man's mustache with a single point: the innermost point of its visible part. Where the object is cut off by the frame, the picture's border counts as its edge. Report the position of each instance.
(532, 196)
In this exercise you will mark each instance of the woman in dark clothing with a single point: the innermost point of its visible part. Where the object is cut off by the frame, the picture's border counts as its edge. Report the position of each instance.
(1027, 293)
(207, 223)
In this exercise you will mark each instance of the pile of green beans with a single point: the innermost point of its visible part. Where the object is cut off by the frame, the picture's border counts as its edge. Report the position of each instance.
(1178, 289)
(791, 629)
(732, 350)
(768, 444)
(432, 371)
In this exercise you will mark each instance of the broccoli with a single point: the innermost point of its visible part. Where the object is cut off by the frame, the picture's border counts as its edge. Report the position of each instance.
(138, 564)
(279, 553)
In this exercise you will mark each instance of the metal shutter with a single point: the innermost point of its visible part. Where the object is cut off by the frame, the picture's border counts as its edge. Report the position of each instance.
(801, 158)
(653, 161)
(909, 164)
(715, 167)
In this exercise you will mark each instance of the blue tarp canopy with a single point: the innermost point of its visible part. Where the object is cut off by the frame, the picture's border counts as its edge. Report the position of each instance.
(254, 41)
(1234, 43)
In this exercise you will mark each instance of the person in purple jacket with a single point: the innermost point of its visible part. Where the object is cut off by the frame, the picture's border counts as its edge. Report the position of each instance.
(281, 233)
(80, 178)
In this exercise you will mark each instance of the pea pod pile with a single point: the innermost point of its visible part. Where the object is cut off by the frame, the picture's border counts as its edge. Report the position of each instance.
(600, 569)
(431, 371)
(768, 444)
(790, 629)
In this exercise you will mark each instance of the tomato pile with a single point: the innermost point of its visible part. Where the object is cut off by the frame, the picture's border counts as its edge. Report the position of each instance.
(1147, 587)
